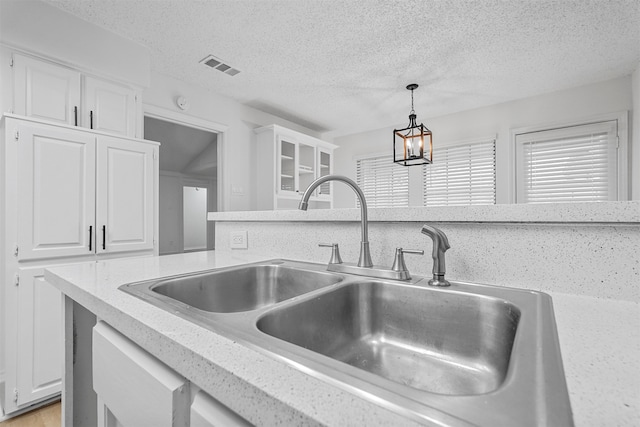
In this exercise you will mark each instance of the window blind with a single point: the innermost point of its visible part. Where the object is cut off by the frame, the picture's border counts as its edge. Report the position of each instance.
(461, 174)
(384, 183)
(572, 164)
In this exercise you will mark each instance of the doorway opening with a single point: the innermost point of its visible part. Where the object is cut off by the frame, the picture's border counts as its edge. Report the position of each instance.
(189, 185)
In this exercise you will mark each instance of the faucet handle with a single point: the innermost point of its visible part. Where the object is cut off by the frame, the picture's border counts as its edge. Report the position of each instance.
(398, 262)
(335, 252)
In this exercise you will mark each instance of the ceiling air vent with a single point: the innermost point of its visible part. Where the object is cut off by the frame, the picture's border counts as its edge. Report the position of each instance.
(216, 63)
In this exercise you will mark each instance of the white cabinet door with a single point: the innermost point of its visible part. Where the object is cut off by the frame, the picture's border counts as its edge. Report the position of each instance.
(287, 167)
(109, 107)
(134, 388)
(325, 167)
(56, 191)
(45, 90)
(39, 337)
(125, 191)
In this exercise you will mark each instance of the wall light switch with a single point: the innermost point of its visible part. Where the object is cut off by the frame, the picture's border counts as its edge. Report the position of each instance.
(239, 240)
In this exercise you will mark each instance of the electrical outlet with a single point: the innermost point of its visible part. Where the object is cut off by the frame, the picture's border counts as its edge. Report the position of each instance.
(239, 240)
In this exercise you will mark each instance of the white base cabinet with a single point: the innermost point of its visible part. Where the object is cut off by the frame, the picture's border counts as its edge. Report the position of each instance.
(39, 338)
(67, 195)
(135, 389)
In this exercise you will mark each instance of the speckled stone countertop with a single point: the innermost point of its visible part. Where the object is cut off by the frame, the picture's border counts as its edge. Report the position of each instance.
(600, 341)
(602, 212)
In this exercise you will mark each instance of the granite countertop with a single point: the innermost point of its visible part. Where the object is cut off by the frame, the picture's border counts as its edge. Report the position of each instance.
(600, 344)
(602, 212)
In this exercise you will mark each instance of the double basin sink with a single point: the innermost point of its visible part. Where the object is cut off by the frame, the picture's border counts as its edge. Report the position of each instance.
(464, 355)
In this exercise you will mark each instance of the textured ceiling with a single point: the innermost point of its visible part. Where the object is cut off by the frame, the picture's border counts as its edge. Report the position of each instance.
(342, 66)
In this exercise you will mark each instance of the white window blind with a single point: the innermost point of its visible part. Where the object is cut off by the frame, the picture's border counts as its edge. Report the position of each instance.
(384, 183)
(572, 164)
(461, 174)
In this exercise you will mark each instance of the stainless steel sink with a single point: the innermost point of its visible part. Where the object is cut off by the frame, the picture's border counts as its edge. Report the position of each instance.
(244, 288)
(447, 343)
(465, 355)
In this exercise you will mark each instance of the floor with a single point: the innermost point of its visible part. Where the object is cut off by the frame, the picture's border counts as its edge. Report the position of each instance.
(47, 416)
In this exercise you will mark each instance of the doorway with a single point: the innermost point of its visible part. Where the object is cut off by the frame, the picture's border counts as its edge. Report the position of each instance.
(188, 187)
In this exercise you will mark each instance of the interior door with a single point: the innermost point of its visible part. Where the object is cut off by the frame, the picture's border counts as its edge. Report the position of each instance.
(109, 107)
(56, 191)
(39, 338)
(46, 91)
(124, 204)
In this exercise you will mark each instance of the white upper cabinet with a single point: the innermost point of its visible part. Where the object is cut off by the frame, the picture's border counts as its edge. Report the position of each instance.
(81, 194)
(289, 162)
(48, 91)
(125, 176)
(56, 190)
(109, 107)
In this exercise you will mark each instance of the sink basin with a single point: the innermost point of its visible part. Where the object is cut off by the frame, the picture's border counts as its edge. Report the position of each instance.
(466, 355)
(244, 288)
(447, 343)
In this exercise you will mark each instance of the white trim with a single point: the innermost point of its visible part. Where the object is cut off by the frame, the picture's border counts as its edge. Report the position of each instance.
(202, 124)
(185, 119)
(622, 119)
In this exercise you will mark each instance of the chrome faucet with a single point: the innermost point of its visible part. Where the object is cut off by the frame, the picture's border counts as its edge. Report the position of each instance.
(365, 254)
(440, 246)
(365, 266)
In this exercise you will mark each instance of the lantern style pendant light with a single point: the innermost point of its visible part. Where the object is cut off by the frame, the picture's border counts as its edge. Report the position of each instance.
(412, 146)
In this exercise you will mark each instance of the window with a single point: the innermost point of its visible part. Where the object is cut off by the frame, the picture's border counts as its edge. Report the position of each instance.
(570, 164)
(461, 174)
(384, 183)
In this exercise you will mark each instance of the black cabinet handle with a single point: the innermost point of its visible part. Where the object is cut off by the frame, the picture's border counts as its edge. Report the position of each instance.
(91, 119)
(104, 237)
(75, 115)
(90, 236)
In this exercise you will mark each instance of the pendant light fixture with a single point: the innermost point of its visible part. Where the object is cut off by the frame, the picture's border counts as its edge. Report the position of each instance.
(412, 146)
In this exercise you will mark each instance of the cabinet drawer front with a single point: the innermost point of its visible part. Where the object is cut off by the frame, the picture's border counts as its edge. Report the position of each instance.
(136, 388)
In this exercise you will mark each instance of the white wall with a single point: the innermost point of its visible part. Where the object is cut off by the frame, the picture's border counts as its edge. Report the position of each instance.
(555, 108)
(238, 160)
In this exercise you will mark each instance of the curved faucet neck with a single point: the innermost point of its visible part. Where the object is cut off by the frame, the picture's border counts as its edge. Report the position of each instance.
(365, 255)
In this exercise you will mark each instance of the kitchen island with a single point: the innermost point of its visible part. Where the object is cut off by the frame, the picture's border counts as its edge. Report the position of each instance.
(600, 343)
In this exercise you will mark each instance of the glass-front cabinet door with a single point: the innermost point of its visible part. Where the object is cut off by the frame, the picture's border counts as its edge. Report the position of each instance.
(306, 166)
(297, 167)
(287, 167)
(325, 167)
